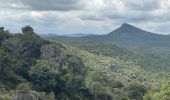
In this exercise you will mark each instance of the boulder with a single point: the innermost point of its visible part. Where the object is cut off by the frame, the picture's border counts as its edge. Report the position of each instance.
(26, 95)
(27, 29)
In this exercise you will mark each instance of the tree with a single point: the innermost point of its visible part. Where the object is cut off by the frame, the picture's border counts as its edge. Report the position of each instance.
(136, 91)
(44, 76)
(3, 34)
(163, 94)
(5, 62)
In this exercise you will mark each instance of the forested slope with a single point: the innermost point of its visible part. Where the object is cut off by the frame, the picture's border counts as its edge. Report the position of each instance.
(33, 68)
(30, 63)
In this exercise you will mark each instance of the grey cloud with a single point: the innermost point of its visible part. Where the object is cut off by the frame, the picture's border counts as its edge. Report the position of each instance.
(44, 5)
(92, 17)
(103, 16)
(62, 5)
(143, 5)
(134, 11)
(132, 16)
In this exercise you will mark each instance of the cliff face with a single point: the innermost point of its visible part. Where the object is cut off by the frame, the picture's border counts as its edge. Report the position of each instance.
(56, 53)
(53, 54)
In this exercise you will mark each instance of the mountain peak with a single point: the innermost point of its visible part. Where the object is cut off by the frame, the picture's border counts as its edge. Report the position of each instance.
(127, 29)
(125, 25)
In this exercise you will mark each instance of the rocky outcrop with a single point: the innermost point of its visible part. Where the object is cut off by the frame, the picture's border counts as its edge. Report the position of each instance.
(60, 59)
(4, 34)
(47, 51)
(27, 29)
(26, 45)
(26, 95)
(2, 29)
(52, 53)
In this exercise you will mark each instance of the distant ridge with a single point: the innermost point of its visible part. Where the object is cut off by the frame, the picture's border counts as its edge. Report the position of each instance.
(127, 35)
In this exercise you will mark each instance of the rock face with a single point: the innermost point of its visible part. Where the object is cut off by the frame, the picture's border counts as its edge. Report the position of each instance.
(50, 52)
(2, 29)
(27, 29)
(47, 51)
(26, 95)
(61, 59)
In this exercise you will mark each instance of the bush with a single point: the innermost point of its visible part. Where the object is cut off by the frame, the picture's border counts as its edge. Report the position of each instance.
(4, 96)
(24, 87)
(136, 91)
(44, 75)
(117, 84)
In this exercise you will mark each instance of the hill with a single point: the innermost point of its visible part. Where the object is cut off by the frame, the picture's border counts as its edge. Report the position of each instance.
(127, 36)
(36, 69)
(33, 68)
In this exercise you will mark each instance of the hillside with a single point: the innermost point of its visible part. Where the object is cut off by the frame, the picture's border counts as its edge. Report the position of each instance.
(33, 68)
(36, 69)
(138, 57)
(113, 76)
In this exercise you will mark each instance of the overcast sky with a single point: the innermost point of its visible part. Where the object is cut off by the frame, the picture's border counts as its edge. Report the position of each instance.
(85, 16)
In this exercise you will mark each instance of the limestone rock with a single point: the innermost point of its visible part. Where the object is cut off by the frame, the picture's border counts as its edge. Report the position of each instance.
(47, 51)
(26, 95)
(50, 52)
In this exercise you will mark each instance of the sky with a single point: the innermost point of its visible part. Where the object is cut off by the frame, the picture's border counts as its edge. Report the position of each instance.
(85, 16)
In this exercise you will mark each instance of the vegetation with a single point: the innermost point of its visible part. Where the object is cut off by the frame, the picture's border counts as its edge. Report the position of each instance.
(162, 94)
(47, 66)
(33, 67)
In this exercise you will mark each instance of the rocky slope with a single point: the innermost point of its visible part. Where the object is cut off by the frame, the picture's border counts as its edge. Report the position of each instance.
(47, 66)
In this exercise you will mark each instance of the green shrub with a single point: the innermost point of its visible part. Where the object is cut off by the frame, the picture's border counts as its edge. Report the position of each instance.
(136, 91)
(4, 96)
